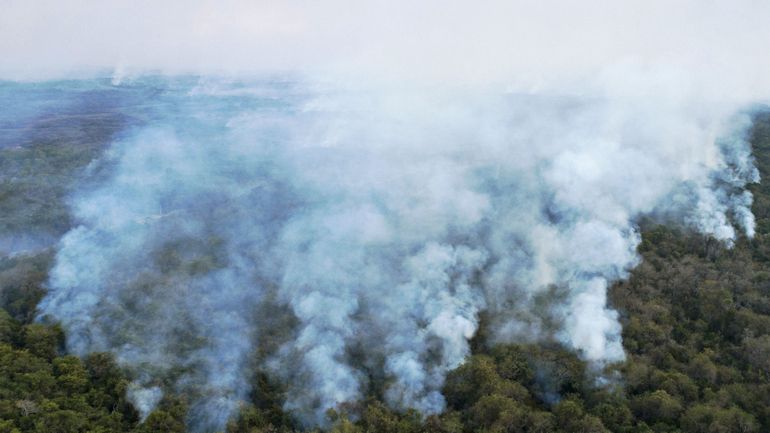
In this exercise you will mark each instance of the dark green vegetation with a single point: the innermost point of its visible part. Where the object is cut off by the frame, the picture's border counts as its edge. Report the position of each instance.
(696, 320)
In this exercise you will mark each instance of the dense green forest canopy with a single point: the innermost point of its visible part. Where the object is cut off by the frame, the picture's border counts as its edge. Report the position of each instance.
(696, 320)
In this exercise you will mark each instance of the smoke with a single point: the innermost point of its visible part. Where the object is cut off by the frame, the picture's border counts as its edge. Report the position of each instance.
(345, 233)
(383, 220)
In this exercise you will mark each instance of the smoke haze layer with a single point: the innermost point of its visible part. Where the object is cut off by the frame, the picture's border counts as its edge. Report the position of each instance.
(381, 221)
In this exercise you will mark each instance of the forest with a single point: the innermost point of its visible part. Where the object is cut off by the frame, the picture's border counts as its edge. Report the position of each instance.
(695, 316)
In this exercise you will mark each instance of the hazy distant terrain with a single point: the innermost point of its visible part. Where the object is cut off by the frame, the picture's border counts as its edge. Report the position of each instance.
(48, 135)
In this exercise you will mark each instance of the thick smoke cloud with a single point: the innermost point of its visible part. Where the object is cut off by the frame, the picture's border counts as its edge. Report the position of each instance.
(382, 222)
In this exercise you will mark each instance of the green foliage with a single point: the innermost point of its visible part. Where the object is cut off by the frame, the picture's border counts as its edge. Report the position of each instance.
(8, 328)
(704, 418)
(43, 341)
(657, 406)
(21, 284)
(168, 418)
(43, 392)
(476, 378)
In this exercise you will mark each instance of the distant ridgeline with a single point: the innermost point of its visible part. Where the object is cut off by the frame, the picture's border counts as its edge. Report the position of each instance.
(695, 315)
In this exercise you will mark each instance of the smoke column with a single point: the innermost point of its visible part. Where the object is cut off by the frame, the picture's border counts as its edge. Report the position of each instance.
(382, 220)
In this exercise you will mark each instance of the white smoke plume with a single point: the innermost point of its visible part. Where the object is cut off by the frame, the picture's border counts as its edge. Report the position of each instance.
(385, 221)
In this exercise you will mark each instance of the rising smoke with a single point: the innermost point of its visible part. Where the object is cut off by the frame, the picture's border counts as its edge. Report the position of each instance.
(383, 221)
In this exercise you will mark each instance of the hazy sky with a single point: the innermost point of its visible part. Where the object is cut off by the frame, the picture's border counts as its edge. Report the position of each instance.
(714, 44)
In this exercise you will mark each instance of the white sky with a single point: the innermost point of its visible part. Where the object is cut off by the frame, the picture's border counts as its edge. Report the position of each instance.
(720, 45)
